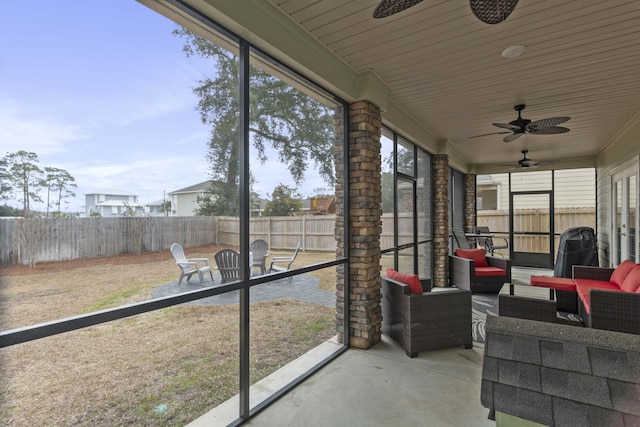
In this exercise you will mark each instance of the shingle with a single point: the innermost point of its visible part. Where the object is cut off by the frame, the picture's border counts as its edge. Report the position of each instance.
(552, 354)
(535, 406)
(490, 368)
(610, 364)
(499, 345)
(625, 396)
(554, 381)
(589, 389)
(567, 413)
(505, 398)
(598, 417)
(486, 393)
(526, 349)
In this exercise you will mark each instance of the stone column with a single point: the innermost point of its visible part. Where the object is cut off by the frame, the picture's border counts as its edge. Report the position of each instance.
(469, 202)
(440, 220)
(365, 209)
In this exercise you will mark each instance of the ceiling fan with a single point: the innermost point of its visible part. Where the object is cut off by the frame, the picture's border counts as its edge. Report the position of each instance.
(488, 11)
(520, 126)
(527, 163)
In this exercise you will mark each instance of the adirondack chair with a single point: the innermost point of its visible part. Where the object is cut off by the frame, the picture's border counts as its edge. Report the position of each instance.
(259, 249)
(228, 264)
(283, 263)
(189, 267)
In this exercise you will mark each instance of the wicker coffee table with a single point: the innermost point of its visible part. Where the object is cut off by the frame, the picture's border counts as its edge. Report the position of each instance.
(527, 302)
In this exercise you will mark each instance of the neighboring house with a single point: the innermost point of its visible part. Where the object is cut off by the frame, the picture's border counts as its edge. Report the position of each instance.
(112, 203)
(185, 202)
(493, 190)
(157, 208)
(318, 205)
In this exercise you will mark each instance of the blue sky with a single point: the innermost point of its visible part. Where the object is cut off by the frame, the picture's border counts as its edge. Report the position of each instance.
(102, 89)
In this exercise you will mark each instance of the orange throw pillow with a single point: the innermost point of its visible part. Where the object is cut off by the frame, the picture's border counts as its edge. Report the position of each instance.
(475, 254)
(621, 272)
(411, 280)
(632, 281)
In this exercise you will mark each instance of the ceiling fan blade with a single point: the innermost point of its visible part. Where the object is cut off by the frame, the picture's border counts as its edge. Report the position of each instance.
(512, 137)
(506, 126)
(487, 134)
(492, 12)
(391, 7)
(550, 122)
(548, 131)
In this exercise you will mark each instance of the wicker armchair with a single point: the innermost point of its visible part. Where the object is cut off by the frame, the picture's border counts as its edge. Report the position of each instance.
(427, 321)
(610, 310)
(462, 273)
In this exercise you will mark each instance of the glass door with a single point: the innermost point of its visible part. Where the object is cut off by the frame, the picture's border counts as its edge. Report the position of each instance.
(624, 215)
(532, 229)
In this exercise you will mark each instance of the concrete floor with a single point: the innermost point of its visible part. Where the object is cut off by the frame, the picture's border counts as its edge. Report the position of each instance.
(376, 387)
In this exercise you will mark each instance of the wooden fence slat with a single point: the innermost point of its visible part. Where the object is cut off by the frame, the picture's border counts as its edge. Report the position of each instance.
(74, 238)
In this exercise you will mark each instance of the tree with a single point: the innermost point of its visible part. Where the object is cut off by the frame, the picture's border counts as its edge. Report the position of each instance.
(60, 182)
(297, 126)
(6, 210)
(21, 173)
(165, 207)
(284, 201)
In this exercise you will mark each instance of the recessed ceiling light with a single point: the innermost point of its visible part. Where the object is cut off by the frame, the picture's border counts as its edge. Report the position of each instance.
(513, 51)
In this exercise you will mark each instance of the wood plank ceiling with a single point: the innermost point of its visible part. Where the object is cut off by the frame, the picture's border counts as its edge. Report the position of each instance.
(445, 68)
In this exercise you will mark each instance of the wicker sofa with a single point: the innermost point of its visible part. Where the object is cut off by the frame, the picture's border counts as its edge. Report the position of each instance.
(433, 319)
(464, 272)
(608, 298)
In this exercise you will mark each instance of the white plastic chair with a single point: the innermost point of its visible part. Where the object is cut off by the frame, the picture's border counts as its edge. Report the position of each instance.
(285, 261)
(189, 267)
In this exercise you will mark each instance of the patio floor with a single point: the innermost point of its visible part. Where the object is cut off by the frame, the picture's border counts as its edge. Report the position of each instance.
(376, 387)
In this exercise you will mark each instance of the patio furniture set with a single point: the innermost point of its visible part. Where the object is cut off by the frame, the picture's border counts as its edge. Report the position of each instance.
(227, 262)
(420, 318)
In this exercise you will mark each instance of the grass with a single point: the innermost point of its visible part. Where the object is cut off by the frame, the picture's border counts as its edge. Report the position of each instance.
(166, 367)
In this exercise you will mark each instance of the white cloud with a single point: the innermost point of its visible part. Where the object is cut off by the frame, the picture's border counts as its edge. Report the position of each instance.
(41, 135)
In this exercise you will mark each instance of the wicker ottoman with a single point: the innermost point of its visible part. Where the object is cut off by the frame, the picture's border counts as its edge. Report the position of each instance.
(566, 294)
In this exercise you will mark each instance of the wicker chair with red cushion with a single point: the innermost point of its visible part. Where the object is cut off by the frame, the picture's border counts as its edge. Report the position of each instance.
(429, 320)
(472, 270)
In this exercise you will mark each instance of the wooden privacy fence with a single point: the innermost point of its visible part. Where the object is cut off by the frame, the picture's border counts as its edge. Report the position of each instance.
(28, 241)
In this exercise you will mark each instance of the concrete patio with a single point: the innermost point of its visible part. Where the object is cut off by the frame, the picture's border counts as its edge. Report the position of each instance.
(382, 387)
(376, 387)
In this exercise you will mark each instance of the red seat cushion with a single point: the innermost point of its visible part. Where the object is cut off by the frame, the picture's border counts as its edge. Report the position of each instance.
(475, 254)
(632, 281)
(621, 271)
(583, 286)
(411, 280)
(490, 271)
(557, 283)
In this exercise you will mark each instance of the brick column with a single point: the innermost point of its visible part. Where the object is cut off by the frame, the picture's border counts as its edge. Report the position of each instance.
(440, 220)
(469, 202)
(365, 207)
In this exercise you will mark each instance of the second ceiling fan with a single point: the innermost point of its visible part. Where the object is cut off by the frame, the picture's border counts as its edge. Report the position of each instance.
(520, 126)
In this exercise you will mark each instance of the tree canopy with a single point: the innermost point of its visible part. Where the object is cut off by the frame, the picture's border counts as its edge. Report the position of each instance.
(284, 201)
(298, 127)
(21, 178)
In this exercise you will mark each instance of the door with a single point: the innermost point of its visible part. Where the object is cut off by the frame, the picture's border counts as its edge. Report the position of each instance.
(624, 215)
(532, 228)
